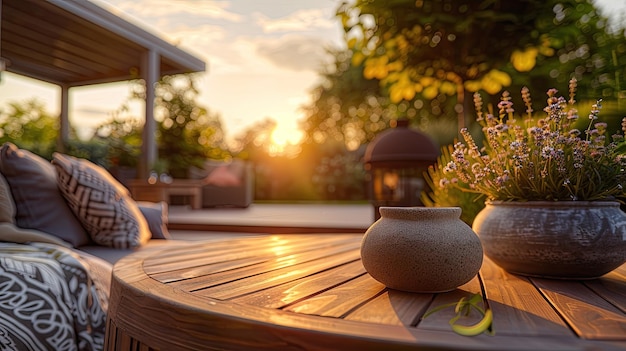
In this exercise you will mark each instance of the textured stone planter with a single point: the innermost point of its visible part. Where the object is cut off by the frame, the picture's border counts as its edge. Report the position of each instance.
(564, 239)
(421, 249)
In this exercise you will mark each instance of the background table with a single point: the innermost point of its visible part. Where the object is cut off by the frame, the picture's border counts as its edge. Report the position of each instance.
(141, 190)
(311, 292)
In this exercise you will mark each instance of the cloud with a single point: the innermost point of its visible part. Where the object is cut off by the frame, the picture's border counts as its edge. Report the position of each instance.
(265, 53)
(201, 40)
(169, 8)
(302, 20)
(295, 52)
(92, 111)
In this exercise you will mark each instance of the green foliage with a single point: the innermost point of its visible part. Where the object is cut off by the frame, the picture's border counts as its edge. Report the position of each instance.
(187, 133)
(317, 172)
(94, 150)
(441, 195)
(341, 176)
(431, 50)
(249, 144)
(348, 108)
(539, 157)
(123, 139)
(421, 59)
(29, 126)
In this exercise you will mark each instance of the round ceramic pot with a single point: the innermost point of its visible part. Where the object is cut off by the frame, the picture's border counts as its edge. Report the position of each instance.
(421, 249)
(563, 239)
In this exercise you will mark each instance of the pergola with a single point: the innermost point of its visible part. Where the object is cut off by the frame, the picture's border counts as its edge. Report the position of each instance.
(76, 43)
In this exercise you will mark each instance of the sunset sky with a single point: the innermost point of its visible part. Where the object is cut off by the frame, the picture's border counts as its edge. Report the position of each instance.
(262, 58)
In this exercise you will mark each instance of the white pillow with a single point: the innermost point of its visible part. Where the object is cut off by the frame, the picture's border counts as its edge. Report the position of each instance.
(101, 203)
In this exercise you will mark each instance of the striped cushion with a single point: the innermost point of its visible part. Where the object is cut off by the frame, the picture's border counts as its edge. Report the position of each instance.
(101, 203)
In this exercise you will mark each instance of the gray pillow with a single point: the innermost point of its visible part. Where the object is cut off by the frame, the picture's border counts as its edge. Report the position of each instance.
(38, 201)
(156, 215)
(7, 205)
(101, 203)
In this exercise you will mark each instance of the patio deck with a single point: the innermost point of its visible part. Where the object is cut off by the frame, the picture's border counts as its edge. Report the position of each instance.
(274, 218)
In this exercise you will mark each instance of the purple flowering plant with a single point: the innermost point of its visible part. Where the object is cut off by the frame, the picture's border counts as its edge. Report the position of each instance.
(539, 157)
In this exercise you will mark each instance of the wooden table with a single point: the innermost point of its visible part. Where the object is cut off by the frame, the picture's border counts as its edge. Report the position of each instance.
(311, 292)
(141, 190)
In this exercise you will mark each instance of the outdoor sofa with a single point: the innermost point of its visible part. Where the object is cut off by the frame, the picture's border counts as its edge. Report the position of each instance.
(62, 225)
(226, 184)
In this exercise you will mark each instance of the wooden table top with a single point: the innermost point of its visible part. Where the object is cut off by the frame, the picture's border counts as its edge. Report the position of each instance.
(311, 292)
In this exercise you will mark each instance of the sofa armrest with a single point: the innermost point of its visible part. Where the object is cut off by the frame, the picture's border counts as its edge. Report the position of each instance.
(241, 195)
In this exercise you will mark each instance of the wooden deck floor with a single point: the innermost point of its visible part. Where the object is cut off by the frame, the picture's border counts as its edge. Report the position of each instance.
(274, 218)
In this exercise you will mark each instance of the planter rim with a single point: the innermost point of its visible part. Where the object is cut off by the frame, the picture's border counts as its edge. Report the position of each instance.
(563, 203)
(419, 209)
(418, 212)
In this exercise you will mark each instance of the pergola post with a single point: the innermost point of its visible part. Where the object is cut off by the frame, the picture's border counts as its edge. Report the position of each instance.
(105, 48)
(64, 119)
(150, 75)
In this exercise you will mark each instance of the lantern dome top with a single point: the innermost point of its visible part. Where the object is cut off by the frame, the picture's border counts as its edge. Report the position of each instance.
(401, 146)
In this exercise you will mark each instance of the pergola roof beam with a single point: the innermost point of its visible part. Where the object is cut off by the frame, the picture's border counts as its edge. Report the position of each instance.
(75, 42)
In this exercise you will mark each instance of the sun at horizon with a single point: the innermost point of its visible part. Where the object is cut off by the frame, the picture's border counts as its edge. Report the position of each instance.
(283, 141)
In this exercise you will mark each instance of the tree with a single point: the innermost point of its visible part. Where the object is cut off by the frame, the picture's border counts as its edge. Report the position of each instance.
(345, 107)
(249, 143)
(348, 108)
(30, 126)
(123, 137)
(426, 49)
(187, 133)
(339, 173)
(273, 175)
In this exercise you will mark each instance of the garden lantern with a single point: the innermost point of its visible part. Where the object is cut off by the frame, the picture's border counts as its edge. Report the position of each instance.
(396, 161)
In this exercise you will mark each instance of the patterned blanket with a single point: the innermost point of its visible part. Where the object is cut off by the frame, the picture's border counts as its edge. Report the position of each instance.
(49, 299)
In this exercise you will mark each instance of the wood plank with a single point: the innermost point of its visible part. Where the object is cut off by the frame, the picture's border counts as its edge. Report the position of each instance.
(288, 271)
(621, 270)
(184, 322)
(143, 347)
(518, 307)
(195, 278)
(588, 314)
(78, 31)
(200, 248)
(198, 263)
(440, 320)
(285, 294)
(109, 336)
(39, 58)
(71, 47)
(340, 300)
(344, 314)
(203, 256)
(612, 287)
(267, 269)
(37, 41)
(181, 322)
(177, 224)
(393, 307)
(196, 254)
